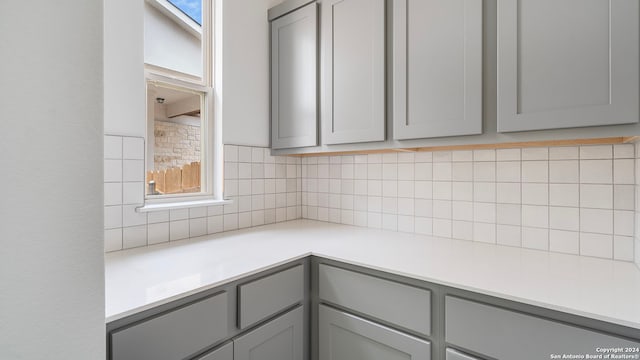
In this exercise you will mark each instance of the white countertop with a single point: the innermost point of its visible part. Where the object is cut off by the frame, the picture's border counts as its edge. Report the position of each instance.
(606, 290)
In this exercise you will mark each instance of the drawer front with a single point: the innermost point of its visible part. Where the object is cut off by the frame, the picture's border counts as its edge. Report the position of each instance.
(455, 355)
(270, 295)
(222, 353)
(403, 305)
(175, 335)
(346, 336)
(504, 334)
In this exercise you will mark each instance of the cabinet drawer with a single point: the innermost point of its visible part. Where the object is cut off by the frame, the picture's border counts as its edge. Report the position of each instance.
(504, 334)
(174, 335)
(346, 336)
(269, 295)
(402, 305)
(454, 355)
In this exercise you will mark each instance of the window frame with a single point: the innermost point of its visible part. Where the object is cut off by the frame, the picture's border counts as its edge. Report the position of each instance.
(210, 144)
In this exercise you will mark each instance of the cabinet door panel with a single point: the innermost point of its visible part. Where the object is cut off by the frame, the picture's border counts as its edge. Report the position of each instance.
(455, 355)
(294, 79)
(347, 337)
(354, 58)
(567, 63)
(279, 339)
(504, 334)
(437, 52)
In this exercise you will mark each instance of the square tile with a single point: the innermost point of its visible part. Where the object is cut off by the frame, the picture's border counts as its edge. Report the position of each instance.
(624, 151)
(244, 154)
(535, 194)
(406, 171)
(535, 171)
(155, 217)
(405, 206)
(484, 155)
(423, 225)
(462, 155)
(508, 171)
(597, 245)
(535, 238)
(508, 155)
(423, 156)
(462, 230)
(112, 194)
(462, 210)
(389, 205)
(347, 217)
(623, 223)
(442, 171)
(596, 152)
(484, 212)
(390, 171)
(484, 171)
(374, 204)
(178, 214)
(158, 233)
(596, 171)
(374, 172)
(462, 171)
(406, 224)
(484, 192)
(564, 171)
(423, 171)
(564, 218)
(509, 214)
(257, 155)
(133, 193)
(541, 153)
(406, 157)
(508, 193)
(441, 209)
(244, 220)
(130, 217)
(564, 195)
(442, 190)
(623, 197)
(113, 171)
(112, 147)
(463, 191)
(133, 148)
(215, 224)
(596, 221)
(230, 153)
(624, 171)
(442, 156)
(485, 233)
(442, 228)
(390, 222)
(133, 237)
(596, 196)
(405, 189)
(623, 248)
(535, 216)
(567, 242)
(113, 240)
(423, 207)
(257, 218)
(508, 235)
(564, 153)
(422, 190)
(133, 170)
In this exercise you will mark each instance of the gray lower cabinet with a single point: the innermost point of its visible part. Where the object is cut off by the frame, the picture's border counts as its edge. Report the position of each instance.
(569, 63)
(503, 334)
(224, 352)
(344, 336)
(279, 339)
(294, 75)
(353, 62)
(178, 334)
(437, 68)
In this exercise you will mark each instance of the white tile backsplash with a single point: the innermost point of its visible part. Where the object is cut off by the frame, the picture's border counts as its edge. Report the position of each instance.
(576, 200)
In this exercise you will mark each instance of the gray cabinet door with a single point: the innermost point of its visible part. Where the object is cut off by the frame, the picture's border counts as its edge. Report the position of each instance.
(504, 334)
(455, 355)
(344, 336)
(224, 352)
(353, 36)
(294, 79)
(279, 339)
(567, 63)
(437, 68)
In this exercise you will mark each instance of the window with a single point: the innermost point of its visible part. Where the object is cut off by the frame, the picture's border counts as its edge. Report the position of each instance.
(178, 70)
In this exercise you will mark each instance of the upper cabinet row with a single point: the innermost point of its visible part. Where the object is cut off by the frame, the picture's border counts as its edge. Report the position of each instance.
(559, 65)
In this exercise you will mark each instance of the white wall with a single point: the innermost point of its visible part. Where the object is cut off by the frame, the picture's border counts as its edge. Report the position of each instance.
(242, 85)
(169, 45)
(246, 72)
(124, 86)
(52, 260)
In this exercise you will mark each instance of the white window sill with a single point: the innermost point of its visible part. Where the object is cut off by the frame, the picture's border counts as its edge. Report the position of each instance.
(181, 205)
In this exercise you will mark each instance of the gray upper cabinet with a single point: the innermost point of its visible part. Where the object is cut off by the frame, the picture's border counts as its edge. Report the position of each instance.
(353, 57)
(345, 336)
(294, 79)
(567, 63)
(279, 339)
(437, 68)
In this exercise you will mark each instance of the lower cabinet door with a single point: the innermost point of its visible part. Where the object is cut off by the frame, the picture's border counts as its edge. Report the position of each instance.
(224, 352)
(454, 355)
(279, 339)
(348, 337)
